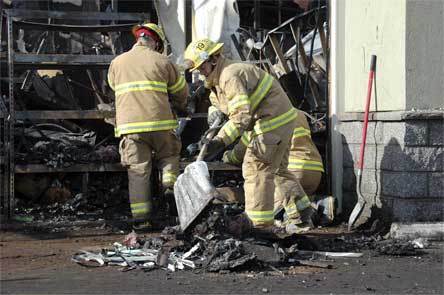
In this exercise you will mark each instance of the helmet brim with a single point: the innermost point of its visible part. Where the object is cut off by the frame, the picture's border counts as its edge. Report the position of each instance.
(214, 50)
(134, 29)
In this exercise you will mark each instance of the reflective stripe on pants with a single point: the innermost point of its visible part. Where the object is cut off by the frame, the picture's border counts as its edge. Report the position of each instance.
(300, 164)
(169, 177)
(139, 188)
(136, 152)
(297, 205)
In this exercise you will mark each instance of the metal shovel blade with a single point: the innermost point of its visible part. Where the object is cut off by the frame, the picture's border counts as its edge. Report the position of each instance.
(193, 191)
(356, 211)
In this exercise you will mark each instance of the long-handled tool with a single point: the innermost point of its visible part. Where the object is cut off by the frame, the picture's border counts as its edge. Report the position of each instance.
(357, 210)
(193, 189)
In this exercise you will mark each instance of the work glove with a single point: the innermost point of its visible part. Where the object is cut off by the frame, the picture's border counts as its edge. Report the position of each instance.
(213, 114)
(193, 148)
(214, 147)
(227, 158)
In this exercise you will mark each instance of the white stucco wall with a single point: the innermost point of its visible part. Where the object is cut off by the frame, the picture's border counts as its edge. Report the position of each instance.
(407, 36)
(425, 54)
(375, 27)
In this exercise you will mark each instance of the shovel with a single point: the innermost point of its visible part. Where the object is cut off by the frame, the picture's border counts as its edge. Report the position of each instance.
(359, 207)
(193, 189)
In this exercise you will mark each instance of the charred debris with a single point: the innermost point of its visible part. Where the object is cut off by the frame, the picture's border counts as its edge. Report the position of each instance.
(57, 117)
(64, 146)
(207, 246)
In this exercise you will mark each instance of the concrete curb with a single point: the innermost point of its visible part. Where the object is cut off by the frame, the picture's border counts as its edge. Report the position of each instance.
(426, 230)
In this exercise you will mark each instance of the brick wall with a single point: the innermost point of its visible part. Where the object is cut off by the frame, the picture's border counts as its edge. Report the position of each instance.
(404, 165)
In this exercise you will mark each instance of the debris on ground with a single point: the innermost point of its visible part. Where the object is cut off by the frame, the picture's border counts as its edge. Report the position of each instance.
(399, 247)
(382, 246)
(207, 246)
(131, 240)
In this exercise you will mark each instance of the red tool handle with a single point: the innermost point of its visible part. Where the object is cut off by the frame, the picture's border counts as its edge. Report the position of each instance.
(367, 108)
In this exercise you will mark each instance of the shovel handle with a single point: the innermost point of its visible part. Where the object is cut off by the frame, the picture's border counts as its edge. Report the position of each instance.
(210, 135)
(367, 108)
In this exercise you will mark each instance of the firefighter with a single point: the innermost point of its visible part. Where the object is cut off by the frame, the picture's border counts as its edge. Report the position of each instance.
(253, 101)
(148, 88)
(305, 162)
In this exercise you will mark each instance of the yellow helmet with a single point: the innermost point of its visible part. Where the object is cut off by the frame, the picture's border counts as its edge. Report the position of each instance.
(152, 27)
(200, 51)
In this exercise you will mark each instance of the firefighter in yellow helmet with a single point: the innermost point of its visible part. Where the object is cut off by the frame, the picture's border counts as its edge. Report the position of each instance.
(253, 101)
(147, 87)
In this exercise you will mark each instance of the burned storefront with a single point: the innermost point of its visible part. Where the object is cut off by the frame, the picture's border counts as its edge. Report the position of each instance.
(60, 158)
(160, 146)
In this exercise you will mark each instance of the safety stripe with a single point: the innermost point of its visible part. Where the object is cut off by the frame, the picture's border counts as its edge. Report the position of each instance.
(138, 198)
(140, 86)
(237, 101)
(140, 208)
(295, 163)
(178, 86)
(246, 138)
(255, 98)
(291, 210)
(301, 131)
(232, 158)
(263, 126)
(241, 99)
(146, 127)
(303, 203)
(231, 132)
(169, 178)
(261, 216)
(300, 205)
(168, 181)
(261, 91)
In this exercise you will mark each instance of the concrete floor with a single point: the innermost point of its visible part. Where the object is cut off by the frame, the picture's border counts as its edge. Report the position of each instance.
(40, 264)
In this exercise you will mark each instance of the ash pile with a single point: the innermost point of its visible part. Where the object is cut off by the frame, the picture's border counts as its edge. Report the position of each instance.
(206, 246)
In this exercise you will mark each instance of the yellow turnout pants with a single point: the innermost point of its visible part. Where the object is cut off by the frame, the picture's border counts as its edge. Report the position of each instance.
(267, 179)
(137, 151)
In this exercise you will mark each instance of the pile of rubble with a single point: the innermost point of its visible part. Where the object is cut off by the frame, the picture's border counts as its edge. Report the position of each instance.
(206, 246)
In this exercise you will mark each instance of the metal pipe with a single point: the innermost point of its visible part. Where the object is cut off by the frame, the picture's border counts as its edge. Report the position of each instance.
(334, 109)
(10, 123)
